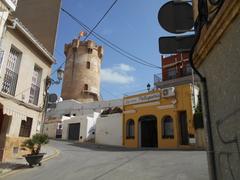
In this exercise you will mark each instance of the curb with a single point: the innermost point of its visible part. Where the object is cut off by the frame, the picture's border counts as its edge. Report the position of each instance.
(19, 168)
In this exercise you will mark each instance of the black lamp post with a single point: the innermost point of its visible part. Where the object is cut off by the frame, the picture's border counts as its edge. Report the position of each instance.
(49, 82)
(148, 87)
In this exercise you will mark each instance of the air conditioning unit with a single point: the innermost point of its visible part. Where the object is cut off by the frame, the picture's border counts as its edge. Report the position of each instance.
(168, 92)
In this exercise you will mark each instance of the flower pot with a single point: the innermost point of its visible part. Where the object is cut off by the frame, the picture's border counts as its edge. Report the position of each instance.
(34, 159)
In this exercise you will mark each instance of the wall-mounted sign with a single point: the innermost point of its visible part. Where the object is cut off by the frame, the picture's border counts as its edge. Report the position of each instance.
(176, 17)
(142, 99)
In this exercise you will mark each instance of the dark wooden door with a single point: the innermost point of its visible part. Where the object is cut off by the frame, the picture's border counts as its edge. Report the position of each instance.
(183, 128)
(149, 133)
(74, 131)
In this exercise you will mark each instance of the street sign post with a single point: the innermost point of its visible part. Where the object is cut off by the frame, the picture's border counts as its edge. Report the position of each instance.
(177, 18)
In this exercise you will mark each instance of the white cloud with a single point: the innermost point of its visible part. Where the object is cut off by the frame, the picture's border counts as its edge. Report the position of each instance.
(124, 67)
(118, 74)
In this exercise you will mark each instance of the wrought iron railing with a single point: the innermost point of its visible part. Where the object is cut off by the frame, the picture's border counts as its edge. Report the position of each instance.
(172, 75)
(34, 94)
(10, 82)
(157, 78)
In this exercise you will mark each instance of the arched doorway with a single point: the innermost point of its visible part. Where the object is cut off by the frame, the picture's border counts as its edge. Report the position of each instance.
(148, 131)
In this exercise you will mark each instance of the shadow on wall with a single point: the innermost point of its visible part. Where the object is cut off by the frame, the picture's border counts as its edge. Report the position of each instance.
(228, 158)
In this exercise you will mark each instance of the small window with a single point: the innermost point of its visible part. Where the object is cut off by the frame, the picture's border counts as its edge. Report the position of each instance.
(171, 73)
(85, 87)
(90, 51)
(88, 65)
(167, 128)
(130, 129)
(25, 128)
(35, 86)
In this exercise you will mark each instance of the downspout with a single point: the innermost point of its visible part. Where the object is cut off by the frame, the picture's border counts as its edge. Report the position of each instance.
(202, 20)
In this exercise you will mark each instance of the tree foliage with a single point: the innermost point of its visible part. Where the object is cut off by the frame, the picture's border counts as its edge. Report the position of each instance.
(34, 144)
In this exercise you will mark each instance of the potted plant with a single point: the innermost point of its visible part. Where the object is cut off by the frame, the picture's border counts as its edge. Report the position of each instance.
(34, 145)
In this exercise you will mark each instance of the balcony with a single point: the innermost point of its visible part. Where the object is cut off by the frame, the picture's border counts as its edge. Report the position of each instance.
(167, 81)
(11, 4)
(10, 82)
(34, 94)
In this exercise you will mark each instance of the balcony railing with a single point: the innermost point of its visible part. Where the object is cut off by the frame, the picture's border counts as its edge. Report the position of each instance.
(157, 78)
(10, 82)
(169, 75)
(34, 94)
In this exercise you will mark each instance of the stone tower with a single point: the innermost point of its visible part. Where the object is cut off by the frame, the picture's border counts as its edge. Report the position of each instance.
(82, 71)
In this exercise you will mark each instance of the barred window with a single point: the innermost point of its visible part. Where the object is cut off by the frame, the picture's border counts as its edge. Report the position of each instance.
(130, 129)
(167, 128)
(26, 127)
(35, 86)
(11, 75)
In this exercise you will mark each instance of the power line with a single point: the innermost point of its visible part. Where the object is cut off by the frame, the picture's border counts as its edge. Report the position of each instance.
(112, 45)
(109, 9)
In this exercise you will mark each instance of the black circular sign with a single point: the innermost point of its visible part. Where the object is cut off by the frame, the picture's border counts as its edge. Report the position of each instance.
(176, 17)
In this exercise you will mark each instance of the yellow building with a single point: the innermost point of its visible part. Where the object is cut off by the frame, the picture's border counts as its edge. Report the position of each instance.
(160, 118)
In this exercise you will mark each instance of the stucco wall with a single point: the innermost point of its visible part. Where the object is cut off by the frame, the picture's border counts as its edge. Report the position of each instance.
(109, 130)
(80, 109)
(221, 68)
(50, 129)
(182, 101)
(17, 107)
(87, 126)
(30, 57)
(41, 18)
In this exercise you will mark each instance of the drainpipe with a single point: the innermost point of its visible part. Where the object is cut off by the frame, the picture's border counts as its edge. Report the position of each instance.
(201, 21)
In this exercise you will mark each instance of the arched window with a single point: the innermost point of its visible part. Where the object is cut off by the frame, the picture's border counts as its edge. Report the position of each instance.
(88, 65)
(130, 129)
(85, 87)
(167, 124)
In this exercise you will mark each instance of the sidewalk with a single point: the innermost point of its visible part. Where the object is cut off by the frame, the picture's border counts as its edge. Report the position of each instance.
(20, 163)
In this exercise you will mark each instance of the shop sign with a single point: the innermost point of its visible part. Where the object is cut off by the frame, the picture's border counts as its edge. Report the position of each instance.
(142, 99)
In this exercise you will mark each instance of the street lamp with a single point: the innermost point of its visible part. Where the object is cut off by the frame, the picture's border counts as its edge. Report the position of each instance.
(148, 87)
(49, 82)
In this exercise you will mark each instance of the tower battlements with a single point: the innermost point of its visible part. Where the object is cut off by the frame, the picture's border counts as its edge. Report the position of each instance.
(82, 71)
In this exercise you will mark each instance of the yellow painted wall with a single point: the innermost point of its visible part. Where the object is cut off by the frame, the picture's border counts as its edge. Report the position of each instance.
(183, 103)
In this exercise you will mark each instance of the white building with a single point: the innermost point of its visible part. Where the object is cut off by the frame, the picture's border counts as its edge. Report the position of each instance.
(77, 121)
(109, 129)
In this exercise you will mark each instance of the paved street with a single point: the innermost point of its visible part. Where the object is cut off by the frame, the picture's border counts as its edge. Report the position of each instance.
(90, 162)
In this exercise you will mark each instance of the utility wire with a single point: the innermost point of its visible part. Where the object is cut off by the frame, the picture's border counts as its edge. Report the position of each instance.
(110, 44)
(109, 9)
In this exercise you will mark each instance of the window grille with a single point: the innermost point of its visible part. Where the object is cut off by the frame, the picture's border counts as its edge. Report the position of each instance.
(11, 75)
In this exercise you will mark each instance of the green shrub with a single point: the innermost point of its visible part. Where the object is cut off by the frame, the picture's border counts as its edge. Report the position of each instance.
(34, 144)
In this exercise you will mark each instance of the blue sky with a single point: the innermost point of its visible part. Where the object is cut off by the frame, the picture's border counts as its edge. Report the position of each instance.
(132, 25)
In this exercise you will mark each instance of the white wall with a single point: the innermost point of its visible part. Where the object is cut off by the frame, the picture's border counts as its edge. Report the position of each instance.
(50, 129)
(80, 109)
(87, 126)
(109, 130)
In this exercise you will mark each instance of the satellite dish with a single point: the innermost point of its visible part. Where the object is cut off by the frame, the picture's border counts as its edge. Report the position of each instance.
(52, 98)
(176, 17)
(175, 44)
